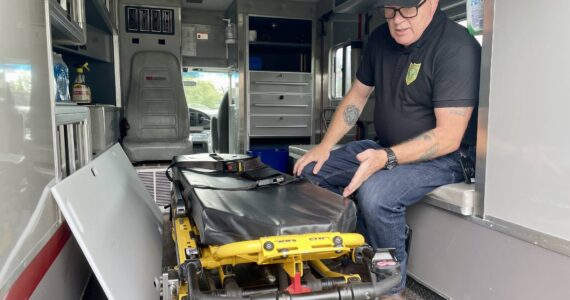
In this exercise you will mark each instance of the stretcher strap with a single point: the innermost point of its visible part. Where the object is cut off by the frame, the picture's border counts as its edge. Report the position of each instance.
(255, 185)
(224, 166)
(250, 168)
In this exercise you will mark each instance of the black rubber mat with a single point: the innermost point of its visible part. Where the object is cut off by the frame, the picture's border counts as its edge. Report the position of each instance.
(416, 291)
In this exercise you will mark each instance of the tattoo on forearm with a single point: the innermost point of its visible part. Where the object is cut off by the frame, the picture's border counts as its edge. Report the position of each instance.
(428, 136)
(351, 114)
(431, 153)
(458, 111)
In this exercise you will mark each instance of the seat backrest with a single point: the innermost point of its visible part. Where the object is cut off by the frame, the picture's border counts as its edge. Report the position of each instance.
(214, 134)
(156, 108)
(223, 125)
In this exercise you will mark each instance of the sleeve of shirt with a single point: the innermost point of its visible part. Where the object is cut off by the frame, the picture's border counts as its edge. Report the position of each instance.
(365, 71)
(456, 78)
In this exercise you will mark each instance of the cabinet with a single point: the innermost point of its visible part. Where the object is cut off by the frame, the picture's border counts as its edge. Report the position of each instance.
(280, 82)
(278, 44)
(97, 46)
(67, 19)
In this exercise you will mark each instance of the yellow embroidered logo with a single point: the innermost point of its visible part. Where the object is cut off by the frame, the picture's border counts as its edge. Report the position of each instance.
(413, 71)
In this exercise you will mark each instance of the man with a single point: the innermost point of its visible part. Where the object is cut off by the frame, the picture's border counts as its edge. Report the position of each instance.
(425, 69)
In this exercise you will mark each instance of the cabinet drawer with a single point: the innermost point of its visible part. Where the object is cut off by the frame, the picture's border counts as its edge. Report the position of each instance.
(279, 76)
(300, 104)
(280, 126)
(280, 82)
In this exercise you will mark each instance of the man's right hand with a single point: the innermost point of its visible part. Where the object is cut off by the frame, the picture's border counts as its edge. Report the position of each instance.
(320, 154)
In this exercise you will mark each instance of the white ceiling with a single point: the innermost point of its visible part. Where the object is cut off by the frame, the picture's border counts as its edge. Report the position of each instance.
(220, 5)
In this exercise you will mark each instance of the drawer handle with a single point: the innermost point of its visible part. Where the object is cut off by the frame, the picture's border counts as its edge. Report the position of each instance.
(282, 83)
(281, 126)
(280, 105)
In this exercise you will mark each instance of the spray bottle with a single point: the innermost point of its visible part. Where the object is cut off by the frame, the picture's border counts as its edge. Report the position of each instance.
(230, 32)
(475, 16)
(81, 92)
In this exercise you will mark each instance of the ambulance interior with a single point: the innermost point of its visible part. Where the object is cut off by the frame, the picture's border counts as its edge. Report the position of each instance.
(181, 98)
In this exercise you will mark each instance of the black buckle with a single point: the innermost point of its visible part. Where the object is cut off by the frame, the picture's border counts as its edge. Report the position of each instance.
(233, 167)
(467, 167)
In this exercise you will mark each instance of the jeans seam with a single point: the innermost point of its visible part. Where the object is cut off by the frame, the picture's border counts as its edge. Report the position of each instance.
(406, 191)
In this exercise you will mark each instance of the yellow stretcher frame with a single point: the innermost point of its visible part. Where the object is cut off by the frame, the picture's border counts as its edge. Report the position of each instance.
(289, 251)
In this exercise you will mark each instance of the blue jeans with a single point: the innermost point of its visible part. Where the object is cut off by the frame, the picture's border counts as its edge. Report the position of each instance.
(384, 196)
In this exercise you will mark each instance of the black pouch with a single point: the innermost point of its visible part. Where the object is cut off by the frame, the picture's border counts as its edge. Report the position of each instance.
(467, 166)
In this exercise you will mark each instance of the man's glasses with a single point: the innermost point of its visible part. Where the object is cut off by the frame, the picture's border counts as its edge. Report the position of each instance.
(406, 12)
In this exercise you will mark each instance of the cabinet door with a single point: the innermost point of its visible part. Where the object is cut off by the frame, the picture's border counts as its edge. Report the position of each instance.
(283, 104)
(29, 216)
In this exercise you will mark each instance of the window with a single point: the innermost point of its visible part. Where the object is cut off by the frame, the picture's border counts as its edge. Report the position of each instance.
(337, 73)
(342, 68)
(204, 89)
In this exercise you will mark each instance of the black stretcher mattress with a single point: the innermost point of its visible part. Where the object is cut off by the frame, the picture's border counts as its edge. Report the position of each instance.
(224, 217)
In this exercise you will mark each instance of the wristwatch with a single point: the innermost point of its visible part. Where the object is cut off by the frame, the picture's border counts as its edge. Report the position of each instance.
(392, 159)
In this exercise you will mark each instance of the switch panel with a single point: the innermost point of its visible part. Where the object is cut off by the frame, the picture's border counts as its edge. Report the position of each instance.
(168, 21)
(149, 20)
(144, 20)
(156, 21)
(132, 19)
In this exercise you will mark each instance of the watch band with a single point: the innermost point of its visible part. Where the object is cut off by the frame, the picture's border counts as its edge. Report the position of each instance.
(392, 159)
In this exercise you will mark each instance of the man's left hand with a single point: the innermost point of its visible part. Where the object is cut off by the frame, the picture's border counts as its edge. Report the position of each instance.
(371, 161)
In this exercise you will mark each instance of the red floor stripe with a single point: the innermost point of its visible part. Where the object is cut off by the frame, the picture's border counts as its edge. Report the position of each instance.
(27, 282)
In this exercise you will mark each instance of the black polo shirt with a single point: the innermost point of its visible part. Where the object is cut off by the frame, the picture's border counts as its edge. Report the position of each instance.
(441, 69)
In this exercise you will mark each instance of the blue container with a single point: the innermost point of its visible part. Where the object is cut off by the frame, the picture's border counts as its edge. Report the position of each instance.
(276, 158)
(255, 63)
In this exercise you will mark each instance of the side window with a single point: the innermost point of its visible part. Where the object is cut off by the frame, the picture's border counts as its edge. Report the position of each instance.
(340, 70)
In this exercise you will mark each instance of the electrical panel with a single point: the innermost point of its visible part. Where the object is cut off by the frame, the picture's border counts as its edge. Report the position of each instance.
(149, 20)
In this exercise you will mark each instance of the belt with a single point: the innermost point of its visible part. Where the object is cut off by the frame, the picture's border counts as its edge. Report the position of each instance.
(220, 165)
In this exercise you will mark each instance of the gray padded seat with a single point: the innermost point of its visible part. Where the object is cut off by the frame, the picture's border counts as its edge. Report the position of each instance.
(156, 109)
(223, 126)
(214, 134)
(219, 126)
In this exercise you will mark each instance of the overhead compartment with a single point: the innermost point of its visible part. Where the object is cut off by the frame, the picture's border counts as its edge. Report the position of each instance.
(68, 24)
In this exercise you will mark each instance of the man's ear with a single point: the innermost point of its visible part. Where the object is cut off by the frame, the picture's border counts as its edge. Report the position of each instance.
(434, 4)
